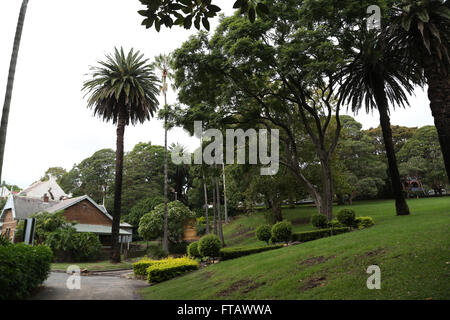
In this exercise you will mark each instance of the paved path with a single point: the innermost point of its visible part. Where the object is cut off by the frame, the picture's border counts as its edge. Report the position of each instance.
(107, 286)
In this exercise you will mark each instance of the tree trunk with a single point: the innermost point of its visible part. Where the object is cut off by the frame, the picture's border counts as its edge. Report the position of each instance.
(439, 96)
(214, 209)
(225, 208)
(115, 250)
(219, 212)
(206, 204)
(165, 245)
(327, 199)
(10, 83)
(276, 208)
(382, 104)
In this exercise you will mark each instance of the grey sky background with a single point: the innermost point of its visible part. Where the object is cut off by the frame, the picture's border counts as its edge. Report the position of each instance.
(49, 124)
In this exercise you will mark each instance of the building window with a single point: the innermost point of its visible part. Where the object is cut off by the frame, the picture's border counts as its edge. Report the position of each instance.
(84, 206)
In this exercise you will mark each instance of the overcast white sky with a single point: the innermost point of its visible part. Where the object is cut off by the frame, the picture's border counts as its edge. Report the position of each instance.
(49, 124)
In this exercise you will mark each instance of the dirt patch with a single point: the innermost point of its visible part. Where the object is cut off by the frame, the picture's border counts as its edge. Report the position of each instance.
(375, 252)
(254, 286)
(208, 274)
(235, 286)
(315, 260)
(312, 283)
(245, 285)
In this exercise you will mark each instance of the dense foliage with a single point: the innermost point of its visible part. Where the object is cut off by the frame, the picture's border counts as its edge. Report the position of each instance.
(151, 224)
(209, 246)
(346, 217)
(319, 221)
(264, 233)
(23, 268)
(282, 231)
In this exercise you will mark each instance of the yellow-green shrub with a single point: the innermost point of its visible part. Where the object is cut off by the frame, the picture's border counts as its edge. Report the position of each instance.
(364, 222)
(140, 267)
(170, 268)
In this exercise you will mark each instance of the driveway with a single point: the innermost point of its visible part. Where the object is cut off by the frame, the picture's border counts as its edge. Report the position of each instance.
(107, 286)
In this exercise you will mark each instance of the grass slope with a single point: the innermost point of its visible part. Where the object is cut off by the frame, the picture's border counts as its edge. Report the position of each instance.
(412, 252)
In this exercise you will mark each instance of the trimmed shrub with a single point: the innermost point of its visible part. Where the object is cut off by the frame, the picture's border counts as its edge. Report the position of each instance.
(232, 253)
(140, 267)
(23, 268)
(319, 221)
(200, 229)
(364, 222)
(192, 250)
(209, 246)
(282, 231)
(335, 224)
(264, 233)
(170, 268)
(346, 217)
(317, 234)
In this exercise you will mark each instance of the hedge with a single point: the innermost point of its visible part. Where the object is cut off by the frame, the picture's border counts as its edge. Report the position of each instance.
(23, 269)
(232, 253)
(170, 268)
(364, 222)
(140, 267)
(317, 234)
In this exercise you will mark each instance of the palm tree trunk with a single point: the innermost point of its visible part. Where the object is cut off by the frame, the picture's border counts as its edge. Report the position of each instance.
(438, 94)
(382, 104)
(219, 213)
(115, 250)
(224, 194)
(206, 204)
(10, 84)
(214, 208)
(166, 222)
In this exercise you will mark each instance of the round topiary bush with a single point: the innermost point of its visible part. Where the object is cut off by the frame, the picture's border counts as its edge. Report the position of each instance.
(346, 217)
(192, 250)
(209, 246)
(282, 231)
(263, 233)
(319, 221)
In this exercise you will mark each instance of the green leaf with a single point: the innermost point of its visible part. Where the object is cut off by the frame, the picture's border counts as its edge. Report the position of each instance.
(143, 13)
(262, 9)
(251, 14)
(213, 8)
(406, 22)
(188, 22)
(205, 23)
(237, 4)
(423, 15)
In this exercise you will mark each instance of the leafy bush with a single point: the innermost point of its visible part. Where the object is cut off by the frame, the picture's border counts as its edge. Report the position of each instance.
(319, 221)
(170, 268)
(4, 241)
(23, 268)
(346, 217)
(317, 234)
(232, 253)
(70, 245)
(335, 224)
(200, 229)
(151, 225)
(264, 233)
(156, 251)
(282, 231)
(140, 267)
(364, 222)
(192, 250)
(141, 208)
(209, 246)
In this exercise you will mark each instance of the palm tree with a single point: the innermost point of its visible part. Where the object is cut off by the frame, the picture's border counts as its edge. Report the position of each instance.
(380, 73)
(423, 27)
(163, 64)
(10, 84)
(124, 90)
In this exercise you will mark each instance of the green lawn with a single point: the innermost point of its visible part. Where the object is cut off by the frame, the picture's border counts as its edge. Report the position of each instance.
(413, 253)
